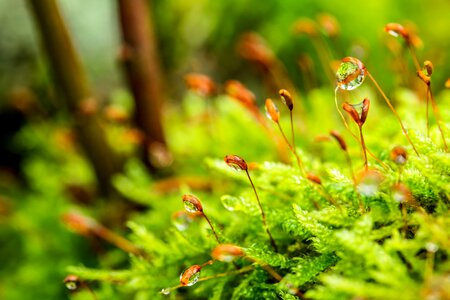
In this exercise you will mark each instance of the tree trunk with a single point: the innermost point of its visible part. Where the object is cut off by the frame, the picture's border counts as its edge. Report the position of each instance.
(143, 72)
(71, 77)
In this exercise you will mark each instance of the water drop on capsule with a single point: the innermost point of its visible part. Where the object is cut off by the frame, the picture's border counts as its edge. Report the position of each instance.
(190, 276)
(351, 74)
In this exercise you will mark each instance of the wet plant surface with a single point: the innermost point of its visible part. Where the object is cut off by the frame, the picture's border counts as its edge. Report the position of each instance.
(252, 184)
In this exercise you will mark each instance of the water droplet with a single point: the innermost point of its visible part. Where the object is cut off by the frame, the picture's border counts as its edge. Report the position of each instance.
(369, 183)
(393, 33)
(72, 282)
(190, 276)
(231, 203)
(350, 75)
(165, 291)
(71, 285)
(192, 204)
(181, 220)
(190, 207)
(431, 247)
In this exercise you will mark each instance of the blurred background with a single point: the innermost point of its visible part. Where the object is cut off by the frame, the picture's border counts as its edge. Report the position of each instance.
(43, 172)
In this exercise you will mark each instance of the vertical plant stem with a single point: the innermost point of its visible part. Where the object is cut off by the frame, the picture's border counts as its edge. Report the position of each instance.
(436, 115)
(427, 114)
(292, 128)
(352, 134)
(414, 56)
(142, 69)
(72, 79)
(291, 147)
(212, 228)
(263, 215)
(363, 146)
(405, 132)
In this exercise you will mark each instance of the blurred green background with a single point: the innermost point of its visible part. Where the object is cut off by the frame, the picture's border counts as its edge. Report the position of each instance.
(193, 36)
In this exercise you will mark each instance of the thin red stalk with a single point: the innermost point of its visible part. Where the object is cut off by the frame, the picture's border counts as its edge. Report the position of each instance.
(117, 240)
(414, 56)
(292, 128)
(212, 228)
(428, 120)
(354, 135)
(405, 132)
(436, 115)
(297, 157)
(363, 145)
(263, 215)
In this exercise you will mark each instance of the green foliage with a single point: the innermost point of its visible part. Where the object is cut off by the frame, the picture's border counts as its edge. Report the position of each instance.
(387, 250)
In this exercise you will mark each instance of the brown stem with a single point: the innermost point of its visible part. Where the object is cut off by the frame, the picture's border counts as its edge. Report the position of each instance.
(436, 115)
(363, 145)
(142, 69)
(426, 111)
(414, 56)
(354, 135)
(405, 132)
(72, 79)
(291, 147)
(292, 128)
(116, 240)
(263, 215)
(212, 228)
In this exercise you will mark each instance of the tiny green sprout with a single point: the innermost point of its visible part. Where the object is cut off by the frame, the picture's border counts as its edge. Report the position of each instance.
(193, 205)
(227, 252)
(190, 276)
(359, 113)
(238, 163)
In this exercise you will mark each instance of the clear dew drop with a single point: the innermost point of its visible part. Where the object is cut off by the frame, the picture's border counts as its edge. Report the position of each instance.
(71, 285)
(393, 33)
(182, 222)
(190, 207)
(231, 203)
(193, 278)
(165, 291)
(368, 188)
(399, 196)
(432, 247)
(349, 76)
